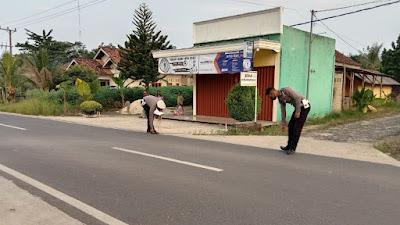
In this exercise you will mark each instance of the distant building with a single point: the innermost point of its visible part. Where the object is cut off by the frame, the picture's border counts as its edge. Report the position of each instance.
(105, 63)
(350, 76)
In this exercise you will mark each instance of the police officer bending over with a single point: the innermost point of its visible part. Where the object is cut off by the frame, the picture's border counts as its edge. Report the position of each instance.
(151, 104)
(299, 117)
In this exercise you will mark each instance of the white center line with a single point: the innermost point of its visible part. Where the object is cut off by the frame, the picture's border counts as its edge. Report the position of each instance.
(63, 197)
(169, 159)
(9, 126)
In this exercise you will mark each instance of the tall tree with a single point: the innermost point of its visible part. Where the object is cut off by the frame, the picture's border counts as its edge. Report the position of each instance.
(391, 60)
(137, 62)
(10, 76)
(59, 52)
(369, 58)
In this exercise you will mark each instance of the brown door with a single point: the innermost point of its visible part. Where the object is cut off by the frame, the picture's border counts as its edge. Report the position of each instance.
(213, 89)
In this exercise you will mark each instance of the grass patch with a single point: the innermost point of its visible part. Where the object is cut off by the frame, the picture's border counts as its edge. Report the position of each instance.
(34, 107)
(390, 146)
(273, 130)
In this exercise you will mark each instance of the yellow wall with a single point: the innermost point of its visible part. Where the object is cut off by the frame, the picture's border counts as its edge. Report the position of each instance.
(264, 58)
(385, 88)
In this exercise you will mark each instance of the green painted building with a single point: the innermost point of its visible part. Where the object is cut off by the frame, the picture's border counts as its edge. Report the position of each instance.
(280, 56)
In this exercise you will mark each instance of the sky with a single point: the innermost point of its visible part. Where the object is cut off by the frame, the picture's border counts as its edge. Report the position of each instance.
(109, 21)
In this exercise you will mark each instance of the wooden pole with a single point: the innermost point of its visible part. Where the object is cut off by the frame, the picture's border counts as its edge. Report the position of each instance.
(363, 80)
(344, 87)
(373, 83)
(351, 88)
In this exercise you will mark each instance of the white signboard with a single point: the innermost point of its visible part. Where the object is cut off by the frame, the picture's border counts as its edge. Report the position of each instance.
(179, 65)
(248, 49)
(248, 78)
(207, 64)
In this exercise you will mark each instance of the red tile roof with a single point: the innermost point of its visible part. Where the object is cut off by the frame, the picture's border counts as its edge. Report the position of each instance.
(96, 65)
(340, 58)
(113, 53)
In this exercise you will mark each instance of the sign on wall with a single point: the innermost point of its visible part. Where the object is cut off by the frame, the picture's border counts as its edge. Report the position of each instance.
(179, 65)
(248, 49)
(248, 78)
(225, 62)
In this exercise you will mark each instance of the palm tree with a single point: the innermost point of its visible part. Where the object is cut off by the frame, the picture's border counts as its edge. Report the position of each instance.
(370, 58)
(120, 82)
(11, 77)
(39, 69)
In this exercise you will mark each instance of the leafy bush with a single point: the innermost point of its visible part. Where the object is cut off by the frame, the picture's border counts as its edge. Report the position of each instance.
(240, 102)
(363, 99)
(83, 89)
(34, 106)
(111, 98)
(90, 107)
(170, 94)
(82, 72)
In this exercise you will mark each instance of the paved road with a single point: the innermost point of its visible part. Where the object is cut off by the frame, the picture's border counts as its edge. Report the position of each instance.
(372, 130)
(256, 186)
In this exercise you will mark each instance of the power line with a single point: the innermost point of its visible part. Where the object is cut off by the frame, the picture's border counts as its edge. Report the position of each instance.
(56, 7)
(338, 35)
(95, 2)
(346, 7)
(344, 14)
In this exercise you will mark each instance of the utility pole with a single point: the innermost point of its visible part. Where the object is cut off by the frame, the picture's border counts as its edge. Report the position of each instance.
(10, 31)
(309, 53)
(79, 18)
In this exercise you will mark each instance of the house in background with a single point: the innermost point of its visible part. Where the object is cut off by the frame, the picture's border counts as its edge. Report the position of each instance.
(350, 76)
(105, 63)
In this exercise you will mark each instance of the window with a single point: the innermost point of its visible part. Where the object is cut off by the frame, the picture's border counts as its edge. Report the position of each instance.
(104, 83)
(156, 84)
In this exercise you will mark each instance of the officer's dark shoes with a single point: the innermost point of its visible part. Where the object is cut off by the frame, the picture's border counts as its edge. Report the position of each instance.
(285, 148)
(290, 152)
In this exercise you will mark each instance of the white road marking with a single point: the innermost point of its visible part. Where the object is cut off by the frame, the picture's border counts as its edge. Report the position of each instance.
(63, 197)
(9, 126)
(170, 159)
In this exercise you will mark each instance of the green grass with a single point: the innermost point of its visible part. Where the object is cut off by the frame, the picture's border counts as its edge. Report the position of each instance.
(390, 146)
(34, 107)
(273, 130)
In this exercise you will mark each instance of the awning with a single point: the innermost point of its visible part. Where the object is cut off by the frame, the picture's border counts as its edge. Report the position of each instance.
(210, 49)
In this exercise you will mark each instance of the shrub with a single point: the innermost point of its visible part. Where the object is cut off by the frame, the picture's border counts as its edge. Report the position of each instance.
(82, 72)
(240, 102)
(111, 98)
(362, 99)
(34, 106)
(107, 98)
(90, 107)
(170, 94)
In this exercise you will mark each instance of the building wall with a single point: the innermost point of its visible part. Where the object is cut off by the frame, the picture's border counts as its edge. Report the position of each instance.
(294, 67)
(337, 93)
(264, 58)
(377, 89)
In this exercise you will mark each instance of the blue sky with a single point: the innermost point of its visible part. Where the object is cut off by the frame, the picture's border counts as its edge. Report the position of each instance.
(110, 21)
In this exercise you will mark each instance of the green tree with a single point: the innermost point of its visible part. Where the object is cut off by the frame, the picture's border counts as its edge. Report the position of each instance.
(82, 72)
(59, 52)
(10, 76)
(39, 69)
(137, 61)
(391, 60)
(370, 57)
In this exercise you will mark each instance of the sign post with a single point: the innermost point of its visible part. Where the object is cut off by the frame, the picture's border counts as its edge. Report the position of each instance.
(250, 79)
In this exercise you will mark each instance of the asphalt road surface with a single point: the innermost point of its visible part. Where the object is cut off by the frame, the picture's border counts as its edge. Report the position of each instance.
(139, 178)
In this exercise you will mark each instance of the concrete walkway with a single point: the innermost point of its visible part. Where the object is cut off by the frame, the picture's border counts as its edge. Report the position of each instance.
(19, 207)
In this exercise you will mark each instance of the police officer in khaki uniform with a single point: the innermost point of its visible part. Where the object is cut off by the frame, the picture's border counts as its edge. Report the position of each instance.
(151, 104)
(299, 117)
